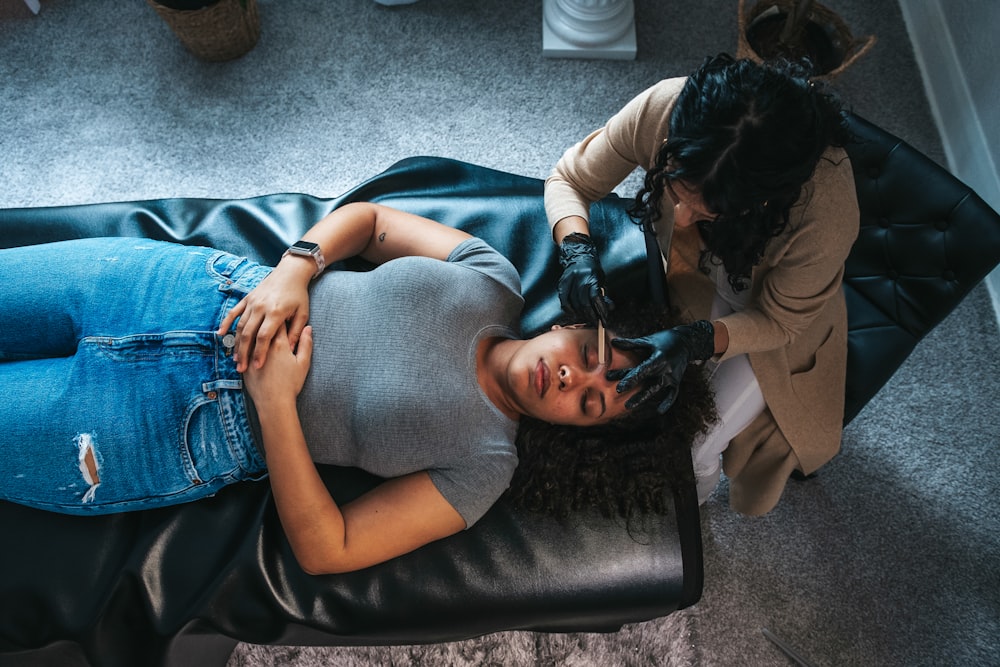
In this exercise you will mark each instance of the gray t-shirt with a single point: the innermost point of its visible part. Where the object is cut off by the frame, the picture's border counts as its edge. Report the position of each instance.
(392, 388)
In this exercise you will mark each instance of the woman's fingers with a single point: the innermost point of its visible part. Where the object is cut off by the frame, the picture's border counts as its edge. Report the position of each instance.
(247, 332)
(305, 347)
(630, 380)
(257, 327)
(296, 326)
(286, 370)
(631, 344)
(234, 312)
(267, 330)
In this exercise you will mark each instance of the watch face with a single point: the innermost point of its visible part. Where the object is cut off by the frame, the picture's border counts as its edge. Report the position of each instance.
(305, 247)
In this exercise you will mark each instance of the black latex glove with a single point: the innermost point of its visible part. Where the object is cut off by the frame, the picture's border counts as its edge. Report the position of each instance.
(669, 353)
(582, 280)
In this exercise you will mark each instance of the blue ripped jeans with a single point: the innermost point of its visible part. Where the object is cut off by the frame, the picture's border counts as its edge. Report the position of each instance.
(115, 392)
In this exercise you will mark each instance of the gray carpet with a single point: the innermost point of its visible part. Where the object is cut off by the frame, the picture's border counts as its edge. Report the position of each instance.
(889, 557)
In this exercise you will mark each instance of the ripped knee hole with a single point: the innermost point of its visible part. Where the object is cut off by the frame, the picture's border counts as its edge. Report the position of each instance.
(88, 459)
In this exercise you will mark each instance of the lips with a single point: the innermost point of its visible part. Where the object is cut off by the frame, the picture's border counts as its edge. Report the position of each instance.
(541, 378)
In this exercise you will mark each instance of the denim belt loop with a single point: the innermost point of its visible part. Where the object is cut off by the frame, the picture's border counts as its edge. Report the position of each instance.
(209, 387)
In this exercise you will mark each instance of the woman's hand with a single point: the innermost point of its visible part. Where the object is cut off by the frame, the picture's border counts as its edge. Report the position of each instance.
(279, 302)
(581, 286)
(668, 354)
(283, 376)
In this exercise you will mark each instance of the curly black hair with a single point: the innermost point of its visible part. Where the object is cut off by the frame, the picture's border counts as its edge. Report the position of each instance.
(747, 137)
(628, 467)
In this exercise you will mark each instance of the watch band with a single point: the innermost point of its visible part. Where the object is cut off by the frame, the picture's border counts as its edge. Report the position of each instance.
(308, 249)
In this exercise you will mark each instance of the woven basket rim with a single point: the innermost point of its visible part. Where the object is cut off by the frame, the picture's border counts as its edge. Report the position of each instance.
(854, 48)
(224, 30)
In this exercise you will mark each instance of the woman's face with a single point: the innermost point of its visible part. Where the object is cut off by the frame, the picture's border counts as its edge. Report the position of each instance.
(556, 377)
(689, 207)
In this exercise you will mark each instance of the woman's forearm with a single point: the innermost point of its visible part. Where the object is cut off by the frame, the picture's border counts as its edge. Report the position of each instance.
(396, 517)
(312, 520)
(569, 225)
(380, 233)
(343, 233)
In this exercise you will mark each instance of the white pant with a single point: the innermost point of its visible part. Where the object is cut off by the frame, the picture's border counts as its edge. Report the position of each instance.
(738, 401)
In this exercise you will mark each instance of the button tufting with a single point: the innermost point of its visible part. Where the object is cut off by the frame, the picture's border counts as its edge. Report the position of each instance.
(941, 225)
(948, 274)
(883, 223)
(874, 172)
(893, 275)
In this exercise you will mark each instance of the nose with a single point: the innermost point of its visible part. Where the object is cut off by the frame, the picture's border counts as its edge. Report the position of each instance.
(566, 378)
(570, 377)
(684, 216)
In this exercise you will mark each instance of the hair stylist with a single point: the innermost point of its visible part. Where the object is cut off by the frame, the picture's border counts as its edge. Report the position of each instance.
(751, 198)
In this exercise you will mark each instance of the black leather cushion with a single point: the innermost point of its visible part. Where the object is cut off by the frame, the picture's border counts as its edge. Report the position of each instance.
(139, 588)
(926, 240)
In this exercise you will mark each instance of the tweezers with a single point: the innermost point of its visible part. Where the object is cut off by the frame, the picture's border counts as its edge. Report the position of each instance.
(602, 340)
(602, 344)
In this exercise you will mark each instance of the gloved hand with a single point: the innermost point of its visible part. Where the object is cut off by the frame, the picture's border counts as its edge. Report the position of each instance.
(669, 353)
(582, 280)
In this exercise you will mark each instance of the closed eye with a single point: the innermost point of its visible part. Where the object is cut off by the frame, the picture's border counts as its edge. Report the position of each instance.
(588, 398)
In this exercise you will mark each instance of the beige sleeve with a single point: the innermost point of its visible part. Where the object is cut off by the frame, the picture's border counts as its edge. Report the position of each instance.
(592, 168)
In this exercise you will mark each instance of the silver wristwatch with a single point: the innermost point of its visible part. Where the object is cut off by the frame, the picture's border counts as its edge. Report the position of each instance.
(308, 249)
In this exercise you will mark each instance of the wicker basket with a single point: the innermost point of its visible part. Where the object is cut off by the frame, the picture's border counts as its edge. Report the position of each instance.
(847, 48)
(222, 31)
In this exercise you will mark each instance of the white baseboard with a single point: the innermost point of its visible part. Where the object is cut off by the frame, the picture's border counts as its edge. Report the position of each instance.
(955, 113)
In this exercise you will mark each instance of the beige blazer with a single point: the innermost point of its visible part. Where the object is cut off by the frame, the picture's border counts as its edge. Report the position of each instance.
(794, 328)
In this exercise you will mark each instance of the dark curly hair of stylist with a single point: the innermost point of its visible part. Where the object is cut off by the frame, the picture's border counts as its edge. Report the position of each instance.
(747, 137)
(626, 468)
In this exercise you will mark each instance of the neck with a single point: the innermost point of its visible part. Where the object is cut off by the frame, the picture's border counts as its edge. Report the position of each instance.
(492, 358)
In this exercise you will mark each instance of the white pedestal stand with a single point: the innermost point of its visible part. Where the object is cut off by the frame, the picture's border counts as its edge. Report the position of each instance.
(589, 29)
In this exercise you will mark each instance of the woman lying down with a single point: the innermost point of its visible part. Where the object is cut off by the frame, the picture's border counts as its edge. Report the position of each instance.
(151, 374)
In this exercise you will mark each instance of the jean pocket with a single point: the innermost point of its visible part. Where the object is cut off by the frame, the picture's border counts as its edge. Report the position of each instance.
(151, 347)
(206, 442)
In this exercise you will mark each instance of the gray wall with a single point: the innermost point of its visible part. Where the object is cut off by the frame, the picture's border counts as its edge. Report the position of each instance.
(956, 44)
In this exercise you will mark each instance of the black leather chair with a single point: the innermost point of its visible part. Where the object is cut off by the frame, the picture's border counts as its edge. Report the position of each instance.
(926, 240)
(182, 585)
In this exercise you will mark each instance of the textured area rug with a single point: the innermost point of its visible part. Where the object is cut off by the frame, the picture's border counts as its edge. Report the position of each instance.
(665, 642)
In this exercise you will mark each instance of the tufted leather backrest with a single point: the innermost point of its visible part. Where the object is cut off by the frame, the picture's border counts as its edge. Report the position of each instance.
(926, 240)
